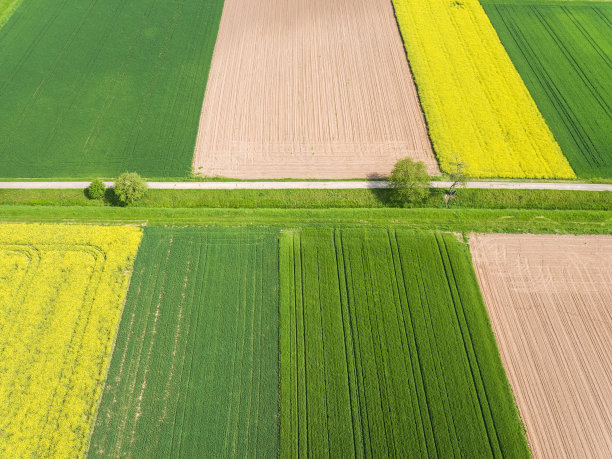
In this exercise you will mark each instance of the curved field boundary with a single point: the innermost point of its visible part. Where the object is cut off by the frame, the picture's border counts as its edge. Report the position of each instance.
(386, 350)
(563, 52)
(549, 299)
(477, 107)
(61, 294)
(195, 368)
(309, 89)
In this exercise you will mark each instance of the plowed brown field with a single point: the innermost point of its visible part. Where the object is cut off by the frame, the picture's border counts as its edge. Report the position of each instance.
(550, 303)
(309, 89)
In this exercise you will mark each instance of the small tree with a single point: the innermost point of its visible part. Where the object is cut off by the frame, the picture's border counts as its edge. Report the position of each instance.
(410, 180)
(458, 178)
(96, 189)
(129, 187)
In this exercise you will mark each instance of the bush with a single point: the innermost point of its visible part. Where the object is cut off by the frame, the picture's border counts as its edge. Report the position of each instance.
(129, 187)
(410, 181)
(96, 189)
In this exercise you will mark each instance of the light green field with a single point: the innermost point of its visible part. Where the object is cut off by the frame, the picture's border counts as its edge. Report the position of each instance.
(7, 8)
(457, 220)
(387, 351)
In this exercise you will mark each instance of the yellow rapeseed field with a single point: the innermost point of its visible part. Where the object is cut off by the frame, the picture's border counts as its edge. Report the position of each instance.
(475, 102)
(62, 290)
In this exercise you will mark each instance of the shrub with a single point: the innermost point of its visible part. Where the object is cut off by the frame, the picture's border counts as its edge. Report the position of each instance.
(410, 181)
(96, 189)
(130, 187)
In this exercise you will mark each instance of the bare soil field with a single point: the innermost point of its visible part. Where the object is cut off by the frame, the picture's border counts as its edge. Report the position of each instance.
(550, 303)
(309, 89)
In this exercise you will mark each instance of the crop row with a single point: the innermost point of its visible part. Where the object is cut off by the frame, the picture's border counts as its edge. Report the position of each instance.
(195, 368)
(385, 345)
(386, 350)
(95, 88)
(563, 51)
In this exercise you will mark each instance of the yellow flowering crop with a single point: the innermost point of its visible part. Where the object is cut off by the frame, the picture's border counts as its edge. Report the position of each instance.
(62, 290)
(476, 104)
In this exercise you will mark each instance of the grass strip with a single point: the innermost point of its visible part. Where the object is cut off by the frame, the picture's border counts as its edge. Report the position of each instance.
(456, 220)
(322, 199)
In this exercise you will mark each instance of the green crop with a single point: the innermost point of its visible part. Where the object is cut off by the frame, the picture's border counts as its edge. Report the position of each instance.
(387, 351)
(95, 88)
(195, 368)
(562, 50)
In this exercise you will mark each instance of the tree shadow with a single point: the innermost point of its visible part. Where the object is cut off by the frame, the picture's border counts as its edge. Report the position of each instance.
(111, 199)
(389, 198)
(386, 196)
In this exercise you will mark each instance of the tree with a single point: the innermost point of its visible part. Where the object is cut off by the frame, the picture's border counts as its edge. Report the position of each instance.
(96, 189)
(410, 180)
(129, 187)
(458, 178)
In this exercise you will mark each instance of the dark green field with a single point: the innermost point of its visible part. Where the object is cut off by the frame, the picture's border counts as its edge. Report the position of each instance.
(563, 51)
(195, 368)
(387, 351)
(94, 88)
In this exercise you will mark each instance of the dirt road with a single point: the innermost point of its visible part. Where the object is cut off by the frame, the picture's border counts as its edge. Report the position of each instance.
(335, 185)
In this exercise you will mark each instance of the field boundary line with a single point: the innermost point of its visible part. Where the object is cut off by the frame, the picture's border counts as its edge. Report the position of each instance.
(306, 185)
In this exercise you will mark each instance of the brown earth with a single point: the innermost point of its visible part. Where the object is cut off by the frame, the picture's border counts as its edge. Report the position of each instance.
(309, 89)
(550, 303)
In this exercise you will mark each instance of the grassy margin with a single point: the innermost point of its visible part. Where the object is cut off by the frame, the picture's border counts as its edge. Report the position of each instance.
(454, 220)
(322, 199)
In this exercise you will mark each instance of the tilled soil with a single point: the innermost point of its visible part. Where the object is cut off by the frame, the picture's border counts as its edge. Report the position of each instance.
(309, 89)
(550, 303)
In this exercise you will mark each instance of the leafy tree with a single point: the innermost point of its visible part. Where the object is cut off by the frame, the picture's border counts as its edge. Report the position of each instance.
(410, 181)
(96, 189)
(458, 178)
(129, 187)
